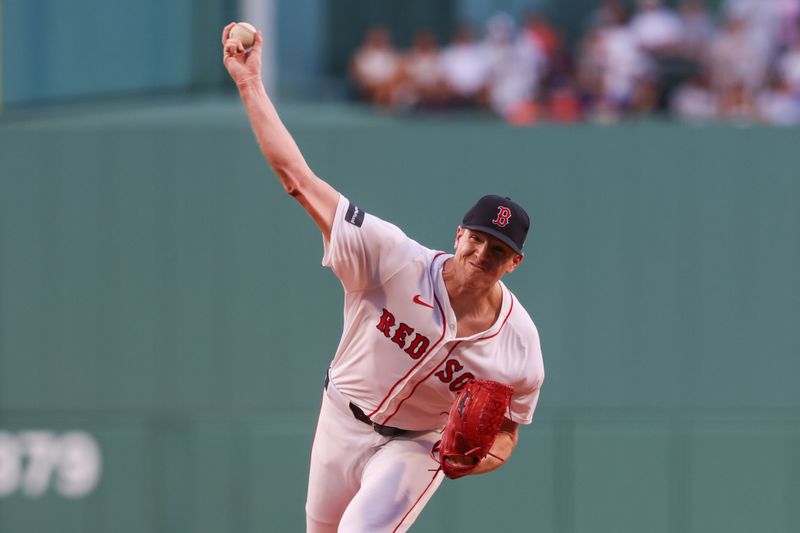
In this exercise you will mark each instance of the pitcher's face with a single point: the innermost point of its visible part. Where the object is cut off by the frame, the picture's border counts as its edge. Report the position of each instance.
(482, 259)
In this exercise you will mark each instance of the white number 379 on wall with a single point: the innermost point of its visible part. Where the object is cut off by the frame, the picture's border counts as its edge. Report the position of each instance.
(33, 461)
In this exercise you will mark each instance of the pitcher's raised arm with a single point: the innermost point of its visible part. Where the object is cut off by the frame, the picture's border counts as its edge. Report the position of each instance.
(316, 196)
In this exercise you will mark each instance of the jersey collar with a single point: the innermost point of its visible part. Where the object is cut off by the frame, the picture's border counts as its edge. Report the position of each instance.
(506, 306)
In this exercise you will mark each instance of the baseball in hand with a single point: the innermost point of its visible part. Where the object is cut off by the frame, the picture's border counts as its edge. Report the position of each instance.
(245, 33)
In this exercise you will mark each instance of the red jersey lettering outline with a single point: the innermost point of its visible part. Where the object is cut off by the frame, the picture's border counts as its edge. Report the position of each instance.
(400, 336)
(387, 321)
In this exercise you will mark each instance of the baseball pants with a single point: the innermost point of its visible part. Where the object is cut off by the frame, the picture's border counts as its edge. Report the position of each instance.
(361, 481)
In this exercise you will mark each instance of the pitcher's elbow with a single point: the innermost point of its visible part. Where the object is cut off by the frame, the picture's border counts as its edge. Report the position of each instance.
(292, 189)
(291, 179)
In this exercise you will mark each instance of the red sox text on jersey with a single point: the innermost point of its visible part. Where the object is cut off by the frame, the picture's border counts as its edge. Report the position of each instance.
(415, 347)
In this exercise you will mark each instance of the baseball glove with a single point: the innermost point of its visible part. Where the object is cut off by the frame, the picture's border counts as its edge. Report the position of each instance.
(472, 425)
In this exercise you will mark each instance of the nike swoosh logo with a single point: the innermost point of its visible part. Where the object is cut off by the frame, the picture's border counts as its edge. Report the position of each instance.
(420, 302)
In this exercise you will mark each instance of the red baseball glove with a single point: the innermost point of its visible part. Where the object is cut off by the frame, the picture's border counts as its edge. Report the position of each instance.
(472, 426)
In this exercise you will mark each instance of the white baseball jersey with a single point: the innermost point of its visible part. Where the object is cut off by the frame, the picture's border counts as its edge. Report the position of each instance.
(399, 358)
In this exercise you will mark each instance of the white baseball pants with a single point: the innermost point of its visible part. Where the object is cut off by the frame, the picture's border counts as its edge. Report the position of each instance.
(361, 481)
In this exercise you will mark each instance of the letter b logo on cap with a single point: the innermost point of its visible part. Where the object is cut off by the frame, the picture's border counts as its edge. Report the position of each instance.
(503, 216)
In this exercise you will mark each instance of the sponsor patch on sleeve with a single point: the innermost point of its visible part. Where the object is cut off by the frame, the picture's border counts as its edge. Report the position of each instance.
(354, 215)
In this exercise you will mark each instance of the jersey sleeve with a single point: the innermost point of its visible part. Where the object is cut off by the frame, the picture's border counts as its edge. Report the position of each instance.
(365, 251)
(526, 393)
(523, 404)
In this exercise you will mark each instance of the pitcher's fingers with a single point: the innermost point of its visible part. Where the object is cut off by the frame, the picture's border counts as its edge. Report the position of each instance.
(258, 43)
(233, 47)
(226, 31)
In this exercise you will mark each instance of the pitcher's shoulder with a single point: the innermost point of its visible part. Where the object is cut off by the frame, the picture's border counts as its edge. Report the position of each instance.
(521, 320)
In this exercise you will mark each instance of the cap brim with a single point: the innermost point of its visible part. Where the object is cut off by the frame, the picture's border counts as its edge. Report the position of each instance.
(496, 234)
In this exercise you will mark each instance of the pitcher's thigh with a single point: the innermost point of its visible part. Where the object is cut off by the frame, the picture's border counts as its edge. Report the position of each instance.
(332, 477)
(396, 484)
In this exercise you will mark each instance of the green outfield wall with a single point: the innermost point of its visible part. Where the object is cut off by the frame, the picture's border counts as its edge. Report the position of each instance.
(165, 322)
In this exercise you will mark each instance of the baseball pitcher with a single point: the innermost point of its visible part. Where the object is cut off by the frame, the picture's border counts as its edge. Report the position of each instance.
(438, 361)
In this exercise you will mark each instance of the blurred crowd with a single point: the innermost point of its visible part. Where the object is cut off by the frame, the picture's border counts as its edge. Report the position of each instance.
(738, 63)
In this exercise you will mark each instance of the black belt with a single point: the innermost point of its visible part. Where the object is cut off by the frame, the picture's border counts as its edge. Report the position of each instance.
(386, 431)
